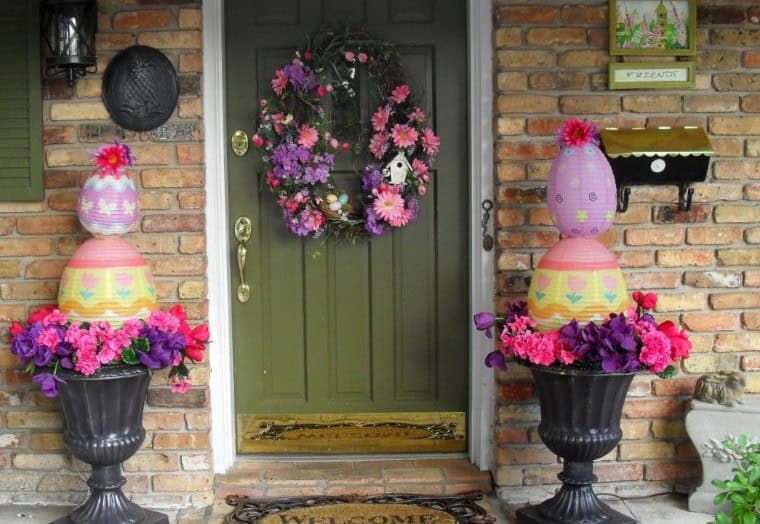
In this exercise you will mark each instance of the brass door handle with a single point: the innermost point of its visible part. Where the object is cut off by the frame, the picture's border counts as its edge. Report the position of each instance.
(243, 231)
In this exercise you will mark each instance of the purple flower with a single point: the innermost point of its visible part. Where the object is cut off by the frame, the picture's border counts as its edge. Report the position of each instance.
(371, 178)
(413, 206)
(295, 224)
(48, 383)
(301, 77)
(164, 348)
(516, 309)
(25, 344)
(484, 321)
(373, 226)
(496, 360)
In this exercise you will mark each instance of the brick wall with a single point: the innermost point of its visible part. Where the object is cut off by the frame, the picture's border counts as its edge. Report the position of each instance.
(37, 239)
(551, 60)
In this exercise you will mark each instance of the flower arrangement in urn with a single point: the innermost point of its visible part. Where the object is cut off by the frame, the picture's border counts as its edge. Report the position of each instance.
(625, 342)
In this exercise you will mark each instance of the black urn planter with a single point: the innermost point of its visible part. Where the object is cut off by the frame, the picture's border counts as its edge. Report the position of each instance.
(102, 426)
(580, 422)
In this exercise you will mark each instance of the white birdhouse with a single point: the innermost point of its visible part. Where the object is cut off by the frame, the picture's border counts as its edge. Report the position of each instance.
(397, 169)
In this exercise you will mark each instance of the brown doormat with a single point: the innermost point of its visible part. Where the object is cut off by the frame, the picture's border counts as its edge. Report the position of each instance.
(384, 509)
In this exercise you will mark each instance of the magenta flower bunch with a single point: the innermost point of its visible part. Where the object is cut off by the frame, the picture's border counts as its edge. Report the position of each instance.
(48, 342)
(625, 342)
(299, 142)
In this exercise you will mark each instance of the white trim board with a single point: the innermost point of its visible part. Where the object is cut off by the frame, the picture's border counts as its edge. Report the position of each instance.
(481, 408)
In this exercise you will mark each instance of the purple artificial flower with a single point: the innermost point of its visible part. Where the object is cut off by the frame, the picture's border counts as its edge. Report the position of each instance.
(25, 345)
(373, 226)
(164, 348)
(295, 224)
(413, 206)
(484, 321)
(516, 309)
(296, 74)
(48, 383)
(496, 360)
(371, 178)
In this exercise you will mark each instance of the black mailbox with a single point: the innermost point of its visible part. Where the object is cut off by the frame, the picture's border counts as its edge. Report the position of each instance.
(658, 156)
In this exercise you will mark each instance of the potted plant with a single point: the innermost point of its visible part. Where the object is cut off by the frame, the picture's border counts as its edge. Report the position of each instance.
(101, 375)
(743, 491)
(582, 373)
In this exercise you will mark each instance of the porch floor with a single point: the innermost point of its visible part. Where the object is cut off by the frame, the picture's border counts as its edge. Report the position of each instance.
(669, 509)
(287, 478)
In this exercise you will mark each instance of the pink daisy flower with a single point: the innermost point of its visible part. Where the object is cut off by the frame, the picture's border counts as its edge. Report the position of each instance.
(350, 56)
(362, 57)
(378, 144)
(389, 205)
(404, 136)
(113, 158)
(417, 115)
(430, 142)
(403, 219)
(419, 167)
(578, 133)
(400, 93)
(279, 82)
(307, 136)
(380, 119)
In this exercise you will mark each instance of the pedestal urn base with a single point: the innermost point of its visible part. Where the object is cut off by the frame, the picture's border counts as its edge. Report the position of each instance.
(580, 422)
(102, 426)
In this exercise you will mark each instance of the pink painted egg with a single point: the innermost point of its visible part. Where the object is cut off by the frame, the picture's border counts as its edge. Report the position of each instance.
(107, 279)
(108, 205)
(581, 191)
(577, 279)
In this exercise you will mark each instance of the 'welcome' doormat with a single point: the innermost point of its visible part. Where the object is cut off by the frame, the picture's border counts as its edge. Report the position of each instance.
(384, 509)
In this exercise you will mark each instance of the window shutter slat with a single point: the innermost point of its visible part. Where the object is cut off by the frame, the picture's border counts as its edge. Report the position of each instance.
(21, 103)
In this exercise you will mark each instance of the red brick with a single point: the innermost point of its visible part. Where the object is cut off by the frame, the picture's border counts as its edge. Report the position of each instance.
(555, 36)
(579, 15)
(750, 363)
(527, 15)
(47, 224)
(515, 391)
(736, 300)
(525, 150)
(525, 455)
(45, 268)
(190, 63)
(650, 408)
(143, 19)
(589, 104)
(674, 386)
(654, 237)
(710, 321)
(528, 239)
(713, 235)
(673, 471)
(512, 435)
(518, 195)
(526, 104)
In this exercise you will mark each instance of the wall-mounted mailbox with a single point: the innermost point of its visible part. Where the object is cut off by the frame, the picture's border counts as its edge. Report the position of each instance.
(676, 156)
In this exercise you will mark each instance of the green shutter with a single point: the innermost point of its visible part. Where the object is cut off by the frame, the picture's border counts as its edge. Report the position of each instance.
(20, 102)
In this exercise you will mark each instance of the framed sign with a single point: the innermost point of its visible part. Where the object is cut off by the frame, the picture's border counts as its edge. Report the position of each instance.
(653, 27)
(658, 75)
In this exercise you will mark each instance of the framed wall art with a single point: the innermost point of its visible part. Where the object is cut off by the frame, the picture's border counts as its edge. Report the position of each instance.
(653, 27)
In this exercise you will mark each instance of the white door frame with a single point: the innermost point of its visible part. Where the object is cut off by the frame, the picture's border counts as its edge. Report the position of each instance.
(481, 408)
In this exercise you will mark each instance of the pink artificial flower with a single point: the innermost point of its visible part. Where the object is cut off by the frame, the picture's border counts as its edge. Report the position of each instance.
(541, 349)
(329, 88)
(419, 167)
(49, 337)
(180, 384)
(388, 204)
(54, 318)
(417, 115)
(257, 140)
(430, 142)
(307, 136)
(87, 362)
(111, 159)
(400, 93)
(578, 133)
(163, 321)
(680, 345)
(350, 56)
(421, 190)
(402, 219)
(101, 331)
(272, 179)
(321, 91)
(345, 146)
(38, 315)
(378, 144)
(132, 328)
(362, 57)
(106, 355)
(403, 136)
(279, 82)
(655, 352)
(380, 119)
(81, 339)
(307, 55)
(314, 221)
(645, 301)
(334, 143)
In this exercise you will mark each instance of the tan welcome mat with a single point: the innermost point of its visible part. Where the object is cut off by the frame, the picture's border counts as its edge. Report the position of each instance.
(384, 509)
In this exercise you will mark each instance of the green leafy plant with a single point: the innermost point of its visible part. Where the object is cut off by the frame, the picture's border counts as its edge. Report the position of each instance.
(743, 491)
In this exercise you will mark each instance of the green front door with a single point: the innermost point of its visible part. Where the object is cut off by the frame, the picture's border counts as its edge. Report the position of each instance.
(352, 347)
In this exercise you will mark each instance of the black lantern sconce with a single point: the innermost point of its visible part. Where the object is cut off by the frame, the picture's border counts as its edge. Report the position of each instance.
(68, 31)
(659, 156)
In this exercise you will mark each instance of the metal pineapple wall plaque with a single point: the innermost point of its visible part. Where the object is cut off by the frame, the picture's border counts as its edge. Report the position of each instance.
(140, 88)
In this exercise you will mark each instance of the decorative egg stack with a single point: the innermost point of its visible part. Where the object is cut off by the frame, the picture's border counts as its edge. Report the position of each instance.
(107, 279)
(578, 278)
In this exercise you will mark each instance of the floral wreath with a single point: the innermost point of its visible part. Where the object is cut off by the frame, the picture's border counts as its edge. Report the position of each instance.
(299, 138)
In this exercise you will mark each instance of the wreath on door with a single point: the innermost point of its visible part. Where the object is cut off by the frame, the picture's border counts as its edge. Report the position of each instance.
(304, 125)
